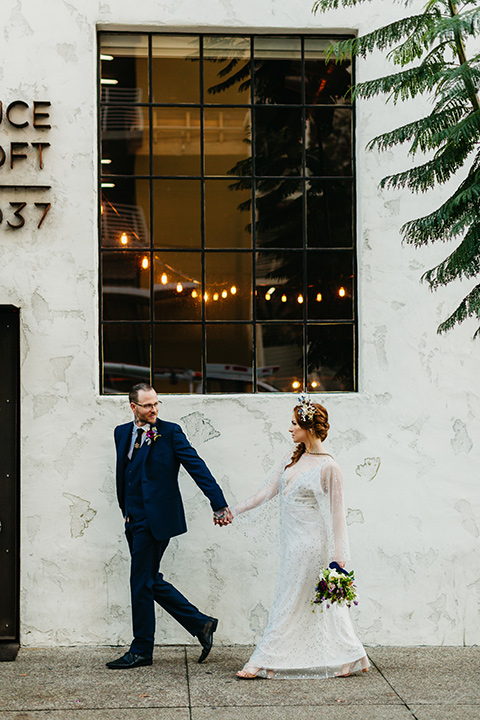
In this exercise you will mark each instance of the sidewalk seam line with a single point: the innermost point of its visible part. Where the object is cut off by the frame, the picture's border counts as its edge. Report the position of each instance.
(188, 683)
(395, 691)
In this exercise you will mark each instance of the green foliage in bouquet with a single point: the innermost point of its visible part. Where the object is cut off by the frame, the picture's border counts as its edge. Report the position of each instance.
(334, 587)
(432, 50)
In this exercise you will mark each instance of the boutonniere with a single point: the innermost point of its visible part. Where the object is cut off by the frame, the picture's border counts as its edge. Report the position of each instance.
(152, 434)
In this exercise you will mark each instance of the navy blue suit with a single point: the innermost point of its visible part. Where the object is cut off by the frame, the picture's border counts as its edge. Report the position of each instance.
(149, 497)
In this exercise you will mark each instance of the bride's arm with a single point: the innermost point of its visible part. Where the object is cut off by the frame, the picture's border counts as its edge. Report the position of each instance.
(267, 492)
(332, 482)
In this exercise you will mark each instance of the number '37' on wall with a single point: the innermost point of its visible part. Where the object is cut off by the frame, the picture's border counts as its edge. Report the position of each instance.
(16, 220)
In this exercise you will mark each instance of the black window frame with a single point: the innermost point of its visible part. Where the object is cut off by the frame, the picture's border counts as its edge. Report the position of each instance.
(152, 249)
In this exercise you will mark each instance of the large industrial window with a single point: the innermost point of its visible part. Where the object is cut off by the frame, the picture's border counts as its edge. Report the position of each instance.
(227, 214)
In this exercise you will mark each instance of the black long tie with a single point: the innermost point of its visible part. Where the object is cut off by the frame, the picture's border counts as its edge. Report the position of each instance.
(138, 442)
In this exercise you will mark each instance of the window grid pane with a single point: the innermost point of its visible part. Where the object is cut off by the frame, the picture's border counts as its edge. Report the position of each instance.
(227, 214)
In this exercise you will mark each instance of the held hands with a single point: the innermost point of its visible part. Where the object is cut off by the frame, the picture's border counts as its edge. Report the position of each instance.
(222, 517)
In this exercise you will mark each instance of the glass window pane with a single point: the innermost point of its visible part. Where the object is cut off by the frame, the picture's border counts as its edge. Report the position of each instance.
(177, 217)
(178, 358)
(330, 285)
(126, 356)
(278, 141)
(278, 70)
(124, 68)
(226, 70)
(178, 286)
(330, 358)
(228, 286)
(326, 82)
(279, 213)
(279, 357)
(279, 285)
(227, 214)
(328, 140)
(229, 359)
(125, 140)
(125, 210)
(126, 285)
(176, 141)
(227, 140)
(175, 69)
(330, 213)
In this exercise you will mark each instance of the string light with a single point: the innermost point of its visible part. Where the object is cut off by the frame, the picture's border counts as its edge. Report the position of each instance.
(164, 279)
(106, 57)
(194, 293)
(224, 293)
(108, 81)
(179, 287)
(284, 298)
(105, 161)
(145, 263)
(300, 299)
(215, 296)
(205, 297)
(101, 209)
(271, 291)
(319, 297)
(267, 296)
(342, 292)
(124, 238)
(295, 384)
(233, 290)
(314, 384)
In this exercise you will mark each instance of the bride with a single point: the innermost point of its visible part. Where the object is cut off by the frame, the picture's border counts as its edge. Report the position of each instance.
(300, 643)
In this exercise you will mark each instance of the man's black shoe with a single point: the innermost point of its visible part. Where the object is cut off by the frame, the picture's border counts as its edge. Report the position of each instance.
(129, 660)
(205, 637)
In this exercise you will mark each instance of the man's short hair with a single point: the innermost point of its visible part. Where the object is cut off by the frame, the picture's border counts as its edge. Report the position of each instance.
(133, 394)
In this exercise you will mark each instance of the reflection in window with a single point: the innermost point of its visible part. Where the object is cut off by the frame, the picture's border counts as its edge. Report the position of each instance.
(226, 214)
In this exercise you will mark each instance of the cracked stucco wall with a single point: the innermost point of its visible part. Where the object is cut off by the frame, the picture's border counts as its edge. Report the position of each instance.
(407, 441)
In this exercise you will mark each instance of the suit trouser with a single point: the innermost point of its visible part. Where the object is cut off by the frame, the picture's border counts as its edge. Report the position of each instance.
(148, 586)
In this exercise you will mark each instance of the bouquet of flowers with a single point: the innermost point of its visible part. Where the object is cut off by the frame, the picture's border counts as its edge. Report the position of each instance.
(335, 585)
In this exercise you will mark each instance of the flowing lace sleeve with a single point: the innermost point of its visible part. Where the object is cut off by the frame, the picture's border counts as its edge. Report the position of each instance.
(332, 485)
(266, 493)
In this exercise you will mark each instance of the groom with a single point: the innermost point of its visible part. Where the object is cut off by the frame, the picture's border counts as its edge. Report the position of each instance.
(149, 455)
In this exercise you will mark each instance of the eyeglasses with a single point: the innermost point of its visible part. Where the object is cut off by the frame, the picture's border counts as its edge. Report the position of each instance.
(147, 406)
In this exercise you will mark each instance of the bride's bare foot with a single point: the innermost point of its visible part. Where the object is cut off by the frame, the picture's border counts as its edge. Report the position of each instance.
(347, 669)
(248, 673)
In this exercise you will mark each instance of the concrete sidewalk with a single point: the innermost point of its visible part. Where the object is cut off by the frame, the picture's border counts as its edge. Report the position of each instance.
(437, 683)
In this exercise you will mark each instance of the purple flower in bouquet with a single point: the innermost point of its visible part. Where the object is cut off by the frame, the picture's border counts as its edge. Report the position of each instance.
(335, 588)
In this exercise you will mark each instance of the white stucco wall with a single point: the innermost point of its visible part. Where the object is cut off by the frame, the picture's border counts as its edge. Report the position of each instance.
(407, 441)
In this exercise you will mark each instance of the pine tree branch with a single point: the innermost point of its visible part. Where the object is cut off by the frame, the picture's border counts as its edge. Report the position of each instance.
(463, 262)
(469, 307)
(463, 57)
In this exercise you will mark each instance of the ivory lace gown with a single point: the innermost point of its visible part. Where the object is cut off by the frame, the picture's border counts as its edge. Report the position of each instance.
(298, 642)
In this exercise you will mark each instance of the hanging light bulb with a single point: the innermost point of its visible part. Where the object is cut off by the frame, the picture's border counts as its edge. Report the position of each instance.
(194, 293)
(342, 292)
(319, 297)
(179, 287)
(233, 290)
(164, 279)
(205, 297)
(300, 299)
(124, 238)
(295, 384)
(267, 296)
(284, 298)
(224, 293)
(145, 263)
(314, 384)
(215, 296)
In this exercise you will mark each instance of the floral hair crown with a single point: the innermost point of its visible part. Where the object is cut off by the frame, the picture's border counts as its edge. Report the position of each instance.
(306, 409)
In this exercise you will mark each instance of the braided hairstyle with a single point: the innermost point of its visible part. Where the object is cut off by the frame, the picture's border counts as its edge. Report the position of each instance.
(318, 426)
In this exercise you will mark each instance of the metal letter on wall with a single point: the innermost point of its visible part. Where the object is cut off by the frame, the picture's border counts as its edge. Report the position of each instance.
(9, 480)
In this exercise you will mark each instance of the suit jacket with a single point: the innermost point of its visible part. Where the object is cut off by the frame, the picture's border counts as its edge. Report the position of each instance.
(160, 463)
